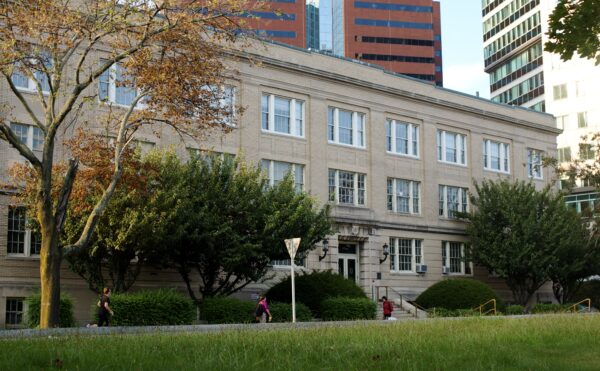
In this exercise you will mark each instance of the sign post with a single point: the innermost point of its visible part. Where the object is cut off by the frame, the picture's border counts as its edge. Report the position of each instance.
(292, 247)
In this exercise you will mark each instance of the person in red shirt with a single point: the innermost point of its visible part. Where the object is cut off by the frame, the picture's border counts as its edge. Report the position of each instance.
(388, 308)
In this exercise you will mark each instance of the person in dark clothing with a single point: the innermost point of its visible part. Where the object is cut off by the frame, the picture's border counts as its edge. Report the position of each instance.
(104, 312)
(388, 308)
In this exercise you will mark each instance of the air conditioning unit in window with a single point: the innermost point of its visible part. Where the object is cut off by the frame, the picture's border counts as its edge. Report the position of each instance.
(421, 268)
(445, 270)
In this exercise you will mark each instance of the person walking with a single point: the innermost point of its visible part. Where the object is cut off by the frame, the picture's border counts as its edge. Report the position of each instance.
(262, 310)
(104, 312)
(388, 308)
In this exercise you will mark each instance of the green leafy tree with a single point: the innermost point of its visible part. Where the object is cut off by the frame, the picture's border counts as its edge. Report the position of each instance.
(521, 234)
(574, 27)
(224, 224)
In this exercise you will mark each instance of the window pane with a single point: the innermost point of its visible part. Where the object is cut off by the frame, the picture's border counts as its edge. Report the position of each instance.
(104, 83)
(388, 135)
(265, 112)
(282, 115)
(402, 196)
(390, 194)
(38, 139)
(415, 138)
(345, 127)
(332, 186)
(401, 138)
(299, 177)
(16, 230)
(330, 124)
(346, 188)
(361, 189)
(280, 170)
(20, 131)
(124, 94)
(360, 130)
(20, 80)
(405, 255)
(416, 195)
(299, 118)
(450, 141)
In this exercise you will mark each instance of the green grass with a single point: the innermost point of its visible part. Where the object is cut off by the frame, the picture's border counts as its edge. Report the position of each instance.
(554, 342)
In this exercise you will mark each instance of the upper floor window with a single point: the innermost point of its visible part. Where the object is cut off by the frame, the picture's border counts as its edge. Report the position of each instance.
(455, 258)
(115, 87)
(582, 119)
(586, 151)
(560, 91)
(402, 138)
(403, 196)
(405, 254)
(451, 147)
(496, 156)
(347, 187)
(277, 171)
(22, 81)
(534, 163)
(452, 200)
(346, 127)
(31, 136)
(282, 115)
(564, 154)
(562, 121)
(20, 240)
(224, 102)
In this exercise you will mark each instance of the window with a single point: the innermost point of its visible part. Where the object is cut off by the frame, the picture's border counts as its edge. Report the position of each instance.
(562, 121)
(582, 121)
(20, 240)
(31, 136)
(403, 196)
(115, 87)
(14, 312)
(23, 82)
(402, 138)
(346, 127)
(224, 102)
(586, 151)
(452, 199)
(277, 171)
(560, 91)
(455, 259)
(534, 164)
(564, 154)
(451, 147)
(347, 188)
(405, 254)
(282, 115)
(496, 156)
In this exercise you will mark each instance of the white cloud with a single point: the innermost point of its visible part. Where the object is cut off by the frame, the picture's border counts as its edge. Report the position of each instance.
(467, 78)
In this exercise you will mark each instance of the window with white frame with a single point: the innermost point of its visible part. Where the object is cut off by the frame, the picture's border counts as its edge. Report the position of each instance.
(451, 147)
(403, 196)
(455, 258)
(405, 254)
(15, 308)
(20, 240)
(224, 96)
(31, 136)
(496, 156)
(347, 188)
(277, 171)
(582, 119)
(346, 127)
(534, 163)
(21, 81)
(452, 200)
(115, 87)
(282, 115)
(402, 138)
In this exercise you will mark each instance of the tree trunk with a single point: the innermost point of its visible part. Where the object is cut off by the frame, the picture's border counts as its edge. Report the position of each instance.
(50, 260)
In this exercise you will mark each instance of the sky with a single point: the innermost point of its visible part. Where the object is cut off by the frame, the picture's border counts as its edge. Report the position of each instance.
(462, 47)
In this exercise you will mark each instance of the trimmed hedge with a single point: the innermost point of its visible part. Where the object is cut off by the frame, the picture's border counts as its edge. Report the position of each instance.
(512, 310)
(151, 308)
(66, 311)
(443, 312)
(457, 294)
(227, 310)
(313, 288)
(231, 310)
(344, 309)
(550, 308)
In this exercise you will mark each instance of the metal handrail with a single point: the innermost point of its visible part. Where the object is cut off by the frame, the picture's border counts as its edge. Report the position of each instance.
(482, 306)
(573, 307)
(417, 307)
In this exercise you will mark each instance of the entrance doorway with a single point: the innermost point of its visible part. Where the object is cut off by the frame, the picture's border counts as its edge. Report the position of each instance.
(348, 261)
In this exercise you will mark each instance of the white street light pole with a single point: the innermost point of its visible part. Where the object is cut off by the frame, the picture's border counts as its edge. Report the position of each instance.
(292, 247)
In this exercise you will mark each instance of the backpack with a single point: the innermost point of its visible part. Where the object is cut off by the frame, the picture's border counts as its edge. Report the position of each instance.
(260, 309)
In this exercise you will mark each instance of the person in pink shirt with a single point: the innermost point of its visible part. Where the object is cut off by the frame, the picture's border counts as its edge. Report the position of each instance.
(262, 310)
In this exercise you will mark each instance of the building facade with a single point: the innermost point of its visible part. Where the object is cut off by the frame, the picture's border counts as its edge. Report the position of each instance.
(395, 157)
(280, 20)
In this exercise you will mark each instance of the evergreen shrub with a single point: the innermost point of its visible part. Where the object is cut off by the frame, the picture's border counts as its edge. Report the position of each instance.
(66, 318)
(458, 294)
(344, 309)
(589, 289)
(151, 308)
(512, 310)
(313, 288)
(227, 310)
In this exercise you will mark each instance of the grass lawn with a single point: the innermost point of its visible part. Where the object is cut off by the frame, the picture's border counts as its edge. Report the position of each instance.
(553, 342)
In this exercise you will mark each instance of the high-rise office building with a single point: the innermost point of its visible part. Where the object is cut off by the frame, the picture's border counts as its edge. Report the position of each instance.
(280, 20)
(312, 24)
(403, 36)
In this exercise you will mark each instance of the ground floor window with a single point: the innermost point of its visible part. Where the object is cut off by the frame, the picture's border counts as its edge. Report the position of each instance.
(455, 258)
(14, 312)
(405, 254)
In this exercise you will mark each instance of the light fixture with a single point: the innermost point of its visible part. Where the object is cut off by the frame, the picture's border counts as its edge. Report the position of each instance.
(386, 252)
(325, 249)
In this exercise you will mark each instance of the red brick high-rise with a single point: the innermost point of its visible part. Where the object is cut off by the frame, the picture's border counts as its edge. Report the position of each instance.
(283, 21)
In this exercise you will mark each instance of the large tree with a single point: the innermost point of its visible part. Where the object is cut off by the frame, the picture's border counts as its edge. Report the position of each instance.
(224, 224)
(66, 51)
(574, 27)
(521, 234)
